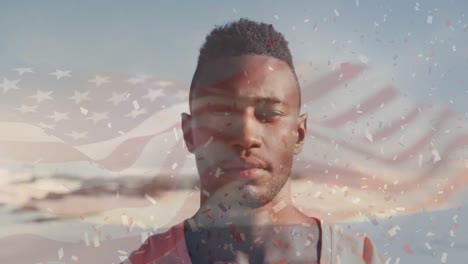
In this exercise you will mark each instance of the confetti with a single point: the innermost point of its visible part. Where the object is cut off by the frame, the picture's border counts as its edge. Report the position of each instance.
(428, 246)
(86, 238)
(394, 230)
(136, 105)
(429, 19)
(192, 225)
(436, 155)
(84, 111)
(218, 172)
(125, 220)
(96, 241)
(279, 206)
(60, 253)
(206, 193)
(443, 259)
(336, 13)
(222, 207)
(150, 199)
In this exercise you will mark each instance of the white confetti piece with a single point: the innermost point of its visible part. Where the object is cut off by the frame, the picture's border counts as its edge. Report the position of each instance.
(109, 125)
(150, 199)
(336, 13)
(125, 220)
(96, 241)
(218, 172)
(276, 17)
(242, 235)
(443, 259)
(428, 246)
(175, 134)
(270, 68)
(192, 225)
(357, 2)
(452, 234)
(136, 105)
(436, 155)
(394, 230)
(84, 111)
(356, 200)
(206, 193)
(279, 206)
(420, 160)
(174, 165)
(144, 236)
(307, 243)
(454, 48)
(363, 58)
(74, 258)
(60, 253)
(429, 20)
(208, 142)
(306, 20)
(121, 252)
(86, 238)
(369, 136)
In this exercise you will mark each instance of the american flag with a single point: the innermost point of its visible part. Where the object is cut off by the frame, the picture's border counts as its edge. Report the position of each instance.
(371, 150)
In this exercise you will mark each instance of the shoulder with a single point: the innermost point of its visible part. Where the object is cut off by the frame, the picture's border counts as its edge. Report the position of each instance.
(341, 246)
(159, 246)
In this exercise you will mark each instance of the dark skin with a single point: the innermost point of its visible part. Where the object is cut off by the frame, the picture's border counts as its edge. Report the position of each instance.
(247, 108)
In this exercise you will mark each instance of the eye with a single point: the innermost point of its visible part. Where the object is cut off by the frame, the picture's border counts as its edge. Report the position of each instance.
(266, 116)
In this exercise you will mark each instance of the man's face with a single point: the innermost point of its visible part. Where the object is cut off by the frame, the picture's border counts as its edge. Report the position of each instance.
(245, 114)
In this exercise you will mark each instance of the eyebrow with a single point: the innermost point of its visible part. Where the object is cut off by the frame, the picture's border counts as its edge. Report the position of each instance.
(270, 100)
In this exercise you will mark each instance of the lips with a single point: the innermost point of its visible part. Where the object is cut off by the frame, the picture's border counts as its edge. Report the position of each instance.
(246, 168)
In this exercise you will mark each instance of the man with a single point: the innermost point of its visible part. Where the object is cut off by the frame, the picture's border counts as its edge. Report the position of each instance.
(244, 128)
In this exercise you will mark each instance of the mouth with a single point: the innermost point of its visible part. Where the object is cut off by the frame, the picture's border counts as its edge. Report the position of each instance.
(247, 169)
(244, 173)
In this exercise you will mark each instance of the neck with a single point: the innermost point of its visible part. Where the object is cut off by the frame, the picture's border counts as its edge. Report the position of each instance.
(231, 205)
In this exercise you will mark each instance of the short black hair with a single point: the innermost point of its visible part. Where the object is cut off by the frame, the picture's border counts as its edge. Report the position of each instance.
(244, 37)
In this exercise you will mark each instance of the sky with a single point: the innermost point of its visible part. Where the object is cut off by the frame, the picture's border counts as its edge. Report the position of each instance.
(420, 44)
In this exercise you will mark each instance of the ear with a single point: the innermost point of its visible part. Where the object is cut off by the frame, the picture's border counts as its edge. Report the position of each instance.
(187, 130)
(301, 133)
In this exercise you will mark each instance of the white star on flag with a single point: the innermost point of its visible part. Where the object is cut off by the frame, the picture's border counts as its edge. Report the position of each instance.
(78, 135)
(96, 117)
(79, 97)
(27, 109)
(58, 116)
(153, 94)
(100, 80)
(22, 71)
(9, 85)
(118, 98)
(60, 74)
(41, 96)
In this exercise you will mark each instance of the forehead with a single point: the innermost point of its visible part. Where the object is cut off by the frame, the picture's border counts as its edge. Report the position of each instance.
(248, 76)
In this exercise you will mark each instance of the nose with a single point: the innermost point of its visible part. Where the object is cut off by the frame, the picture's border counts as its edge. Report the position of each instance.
(245, 131)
